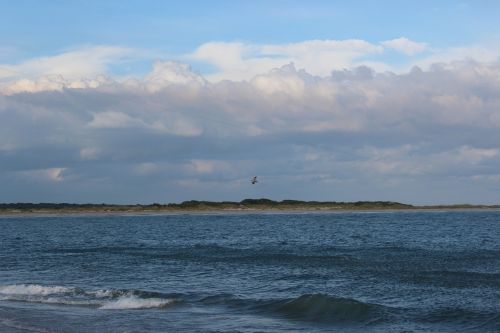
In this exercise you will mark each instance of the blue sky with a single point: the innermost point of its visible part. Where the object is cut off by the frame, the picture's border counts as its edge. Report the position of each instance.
(35, 28)
(164, 101)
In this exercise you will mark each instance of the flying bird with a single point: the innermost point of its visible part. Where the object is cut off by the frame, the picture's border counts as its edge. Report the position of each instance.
(254, 180)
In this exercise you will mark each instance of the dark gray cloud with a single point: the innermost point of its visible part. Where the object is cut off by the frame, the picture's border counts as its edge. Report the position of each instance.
(428, 136)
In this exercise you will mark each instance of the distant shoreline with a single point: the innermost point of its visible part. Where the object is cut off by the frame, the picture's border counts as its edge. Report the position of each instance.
(207, 207)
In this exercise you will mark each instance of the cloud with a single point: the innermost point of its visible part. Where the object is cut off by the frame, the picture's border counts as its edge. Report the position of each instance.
(471, 53)
(53, 82)
(415, 160)
(89, 66)
(82, 62)
(354, 133)
(50, 174)
(78, 69)
(169, 73)
(242, 61)
(148, 168)
(55, 174)
(404, 45)
(285, 79)
(204, 166)
(90, 153)
(164, 74)
(114, 119)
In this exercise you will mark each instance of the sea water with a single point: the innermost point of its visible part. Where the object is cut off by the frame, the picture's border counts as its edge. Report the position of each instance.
(402, 271)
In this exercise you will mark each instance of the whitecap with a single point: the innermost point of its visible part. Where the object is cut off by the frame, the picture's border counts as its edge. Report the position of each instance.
(33, 289)
(101, 298)
(133, 302)
(103, 293)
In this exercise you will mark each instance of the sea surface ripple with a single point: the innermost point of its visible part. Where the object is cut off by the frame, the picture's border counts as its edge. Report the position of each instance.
(400, 271)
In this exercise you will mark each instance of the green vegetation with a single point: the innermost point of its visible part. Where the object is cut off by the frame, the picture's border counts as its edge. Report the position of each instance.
(211, 206)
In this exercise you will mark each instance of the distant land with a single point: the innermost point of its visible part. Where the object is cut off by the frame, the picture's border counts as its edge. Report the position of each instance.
(222, 206)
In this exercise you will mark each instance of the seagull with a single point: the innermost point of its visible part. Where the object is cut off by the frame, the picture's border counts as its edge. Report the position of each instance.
(254, 180)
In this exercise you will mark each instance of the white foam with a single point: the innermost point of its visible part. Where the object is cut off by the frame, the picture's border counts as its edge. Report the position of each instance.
(101, 293)
(63, 301)
(50, 300)
(133, 302)
(102, 298)
(33, 289)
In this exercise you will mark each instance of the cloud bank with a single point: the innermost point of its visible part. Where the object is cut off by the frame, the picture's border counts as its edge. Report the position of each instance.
(426, 135)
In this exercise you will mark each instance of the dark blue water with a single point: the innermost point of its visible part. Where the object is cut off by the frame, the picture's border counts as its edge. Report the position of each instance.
(331, 272)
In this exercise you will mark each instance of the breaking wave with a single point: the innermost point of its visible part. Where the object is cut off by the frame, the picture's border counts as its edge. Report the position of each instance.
(308, 307)
(106, 299)
(33, 289)
(134, 302)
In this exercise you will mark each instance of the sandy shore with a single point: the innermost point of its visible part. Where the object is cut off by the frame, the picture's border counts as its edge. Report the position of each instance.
(90, 212)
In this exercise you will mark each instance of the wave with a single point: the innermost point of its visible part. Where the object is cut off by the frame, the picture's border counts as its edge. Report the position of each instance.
(452, 278)
(134, 302)
(470, 319)
(226, 254)
(106, 299)
(309, 307)
(12, 324)
(456, 313)
(373, 258)
(326, 308)
(33, 289)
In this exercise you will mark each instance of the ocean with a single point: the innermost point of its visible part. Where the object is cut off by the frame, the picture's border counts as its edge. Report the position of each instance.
(394, 271)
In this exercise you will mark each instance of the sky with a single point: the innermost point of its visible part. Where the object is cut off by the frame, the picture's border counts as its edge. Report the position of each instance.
(166, 101)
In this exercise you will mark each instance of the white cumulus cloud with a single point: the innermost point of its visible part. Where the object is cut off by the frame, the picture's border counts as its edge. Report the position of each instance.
(242, 61)
(174, 134)
(405, 45)
(82, 62)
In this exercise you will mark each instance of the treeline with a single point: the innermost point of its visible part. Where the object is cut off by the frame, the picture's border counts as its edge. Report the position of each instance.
(207, 205)
(289, 203)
